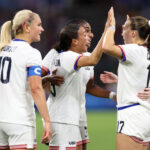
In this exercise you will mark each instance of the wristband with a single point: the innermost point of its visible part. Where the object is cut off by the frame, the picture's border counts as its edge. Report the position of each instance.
(112, 28)
(111, 95)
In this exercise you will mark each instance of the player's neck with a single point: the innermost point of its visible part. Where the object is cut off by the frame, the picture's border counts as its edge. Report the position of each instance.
(74, 49)
(23, 37)
(138, 41)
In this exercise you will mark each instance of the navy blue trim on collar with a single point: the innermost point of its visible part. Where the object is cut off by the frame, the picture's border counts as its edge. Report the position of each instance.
(61, 51)
(124, 107)
(18, 40)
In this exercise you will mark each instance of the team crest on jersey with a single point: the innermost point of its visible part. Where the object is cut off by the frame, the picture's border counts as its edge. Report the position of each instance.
(57, 62)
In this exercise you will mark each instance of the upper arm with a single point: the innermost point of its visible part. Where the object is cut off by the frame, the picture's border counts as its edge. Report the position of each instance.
(114, 51)
(35, 82)
(85, 61)
(89, 85)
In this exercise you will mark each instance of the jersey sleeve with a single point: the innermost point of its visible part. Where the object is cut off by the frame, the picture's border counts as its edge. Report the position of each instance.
(34, 62)
(47, 62)
(34, 58)
(70, 60)
(128, 52)
(91, 67)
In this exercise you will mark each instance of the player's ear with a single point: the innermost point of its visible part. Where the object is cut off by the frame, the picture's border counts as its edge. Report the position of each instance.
(26, 28)
(74, 42)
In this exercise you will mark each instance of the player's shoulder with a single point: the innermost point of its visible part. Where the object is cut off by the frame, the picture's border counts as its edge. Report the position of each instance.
(32, 52)
(52, 52)
(130, 46)
(69, 52)
(134, 48)
(86, 53)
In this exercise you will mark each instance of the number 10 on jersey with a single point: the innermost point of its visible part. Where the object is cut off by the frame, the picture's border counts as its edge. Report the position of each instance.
(5, 68)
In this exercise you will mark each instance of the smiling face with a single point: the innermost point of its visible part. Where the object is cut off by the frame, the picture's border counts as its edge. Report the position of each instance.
(89, 32)
(36, 29)
(83, 41)
(127, 32)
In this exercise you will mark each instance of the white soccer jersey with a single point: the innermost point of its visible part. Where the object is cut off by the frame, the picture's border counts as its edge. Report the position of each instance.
(47, 63)
(65, 106)
(16, 103)
(133, 74)
(87, 73)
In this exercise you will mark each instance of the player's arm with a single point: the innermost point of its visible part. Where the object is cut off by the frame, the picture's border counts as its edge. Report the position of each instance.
(95, 56)
(98, 91)
(109, 77)
(39, 98)
(109, 46)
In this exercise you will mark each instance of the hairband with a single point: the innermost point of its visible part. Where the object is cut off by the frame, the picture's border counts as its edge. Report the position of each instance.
(24, 22)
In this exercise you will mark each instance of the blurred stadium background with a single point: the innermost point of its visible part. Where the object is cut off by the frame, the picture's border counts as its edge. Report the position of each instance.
(54, 14)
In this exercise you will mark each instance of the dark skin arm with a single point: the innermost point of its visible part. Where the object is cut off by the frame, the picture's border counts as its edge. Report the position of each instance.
(53, 79)
(95, 90)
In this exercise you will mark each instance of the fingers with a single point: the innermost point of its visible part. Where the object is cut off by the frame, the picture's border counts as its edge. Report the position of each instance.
(112, 11)
(58, 80)
(47, 133)
(54, 72)
(107, 73)
(144, 95)
(147, 89)
(45, 139)
(104, 78)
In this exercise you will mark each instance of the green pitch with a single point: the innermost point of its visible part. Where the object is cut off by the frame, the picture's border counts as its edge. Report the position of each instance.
(101, 128)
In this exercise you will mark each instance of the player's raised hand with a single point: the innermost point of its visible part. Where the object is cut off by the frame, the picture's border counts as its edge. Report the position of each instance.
(112, 17)
(107, 24)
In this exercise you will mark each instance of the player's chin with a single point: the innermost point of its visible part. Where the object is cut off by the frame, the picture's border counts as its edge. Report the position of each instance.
(38, 39)
(85, 50)
(88, 45)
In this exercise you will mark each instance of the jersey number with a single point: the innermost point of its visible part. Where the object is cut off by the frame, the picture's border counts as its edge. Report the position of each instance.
(148, 78)
(120, 125)
(5, 68)
(53, 90)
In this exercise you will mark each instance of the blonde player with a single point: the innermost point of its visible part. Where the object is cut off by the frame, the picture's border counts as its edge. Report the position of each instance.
(20, 83)
(133, 113)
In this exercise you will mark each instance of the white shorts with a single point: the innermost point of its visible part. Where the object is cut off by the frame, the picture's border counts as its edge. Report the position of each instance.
(15, 136)
(84, 135)
(64, 136)
(134, 121)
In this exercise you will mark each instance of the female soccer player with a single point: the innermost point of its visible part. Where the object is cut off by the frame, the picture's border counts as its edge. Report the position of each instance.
(20, 83)
(65, 104)
(87, 85)
(133, 130)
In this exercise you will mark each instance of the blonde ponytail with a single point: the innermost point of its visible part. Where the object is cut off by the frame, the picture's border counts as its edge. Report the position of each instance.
(5, 34)
(15, 27)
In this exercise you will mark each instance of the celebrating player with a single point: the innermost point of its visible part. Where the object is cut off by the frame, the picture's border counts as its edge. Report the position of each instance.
(133, 130)
(20, 83)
